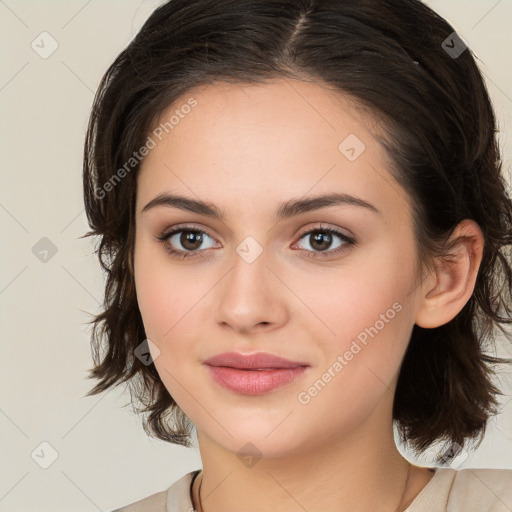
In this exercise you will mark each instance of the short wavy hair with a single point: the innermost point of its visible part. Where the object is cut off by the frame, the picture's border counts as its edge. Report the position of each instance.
(398, 60)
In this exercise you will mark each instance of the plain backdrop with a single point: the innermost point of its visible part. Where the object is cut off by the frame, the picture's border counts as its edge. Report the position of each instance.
(96, 452)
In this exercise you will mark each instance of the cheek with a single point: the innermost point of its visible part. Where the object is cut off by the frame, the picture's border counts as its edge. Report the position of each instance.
(153, 299)
(360, 364)
(166, 293)
(366, 290)
(367, 317)
(165, 303)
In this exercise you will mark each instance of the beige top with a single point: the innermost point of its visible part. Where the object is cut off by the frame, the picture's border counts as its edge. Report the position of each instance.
(449, 490)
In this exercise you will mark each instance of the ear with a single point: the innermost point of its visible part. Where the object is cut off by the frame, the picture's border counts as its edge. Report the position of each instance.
(455, 279)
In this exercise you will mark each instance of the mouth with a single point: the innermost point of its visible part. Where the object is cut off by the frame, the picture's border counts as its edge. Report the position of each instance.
(255, 381)
(254, 374)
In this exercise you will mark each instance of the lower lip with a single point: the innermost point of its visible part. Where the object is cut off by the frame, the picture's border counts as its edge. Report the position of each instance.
(254, 382)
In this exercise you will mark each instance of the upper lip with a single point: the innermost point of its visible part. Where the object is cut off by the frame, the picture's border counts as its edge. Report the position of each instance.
(260, 360)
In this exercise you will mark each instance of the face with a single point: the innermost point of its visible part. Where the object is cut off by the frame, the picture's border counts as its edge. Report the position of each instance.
(329, 284)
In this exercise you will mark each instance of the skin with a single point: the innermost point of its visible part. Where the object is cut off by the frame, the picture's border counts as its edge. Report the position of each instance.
(248, 149)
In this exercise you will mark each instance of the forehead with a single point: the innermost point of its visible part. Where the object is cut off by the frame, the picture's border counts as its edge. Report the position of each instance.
(254, 140)
(307, 109)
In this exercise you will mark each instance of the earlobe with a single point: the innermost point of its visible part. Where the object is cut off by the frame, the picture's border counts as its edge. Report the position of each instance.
(446, 294)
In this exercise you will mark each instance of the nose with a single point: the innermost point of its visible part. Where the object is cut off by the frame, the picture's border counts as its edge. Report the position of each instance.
(251, 297)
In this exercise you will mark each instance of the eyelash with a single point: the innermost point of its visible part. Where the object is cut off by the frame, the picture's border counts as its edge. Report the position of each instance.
(164, 237)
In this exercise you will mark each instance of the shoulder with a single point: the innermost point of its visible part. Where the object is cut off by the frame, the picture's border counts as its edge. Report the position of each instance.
(483, 489)
(174, 499)
(470, 490)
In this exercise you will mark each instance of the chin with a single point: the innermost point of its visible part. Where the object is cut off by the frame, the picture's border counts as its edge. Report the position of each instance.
(262, 439)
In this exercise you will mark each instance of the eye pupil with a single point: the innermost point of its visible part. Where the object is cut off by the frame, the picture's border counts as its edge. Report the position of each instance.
(191, 240)
(322, 240)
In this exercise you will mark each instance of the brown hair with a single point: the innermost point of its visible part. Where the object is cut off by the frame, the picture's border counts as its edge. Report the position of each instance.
(399, 60)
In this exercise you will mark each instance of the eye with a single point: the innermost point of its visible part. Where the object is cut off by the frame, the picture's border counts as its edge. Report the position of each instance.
(190, 239)
(321, 239)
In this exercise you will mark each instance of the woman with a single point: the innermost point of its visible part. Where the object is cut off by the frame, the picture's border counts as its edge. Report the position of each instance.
(305, 228)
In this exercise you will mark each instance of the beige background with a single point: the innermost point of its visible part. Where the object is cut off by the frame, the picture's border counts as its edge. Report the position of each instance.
(104, 458)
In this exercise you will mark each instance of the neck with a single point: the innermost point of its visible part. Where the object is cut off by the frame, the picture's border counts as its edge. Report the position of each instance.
(363, 471)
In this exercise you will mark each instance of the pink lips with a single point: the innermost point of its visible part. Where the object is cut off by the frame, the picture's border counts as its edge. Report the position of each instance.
(253, 374)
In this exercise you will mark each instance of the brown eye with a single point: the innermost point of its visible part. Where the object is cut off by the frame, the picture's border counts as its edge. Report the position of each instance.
(320, 240)
(191, 240)
(184, 242)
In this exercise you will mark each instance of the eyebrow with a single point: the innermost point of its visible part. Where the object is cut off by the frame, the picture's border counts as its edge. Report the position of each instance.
(288, 209)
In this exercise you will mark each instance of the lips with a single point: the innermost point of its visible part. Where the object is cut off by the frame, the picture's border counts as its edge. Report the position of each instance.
(253, 374)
